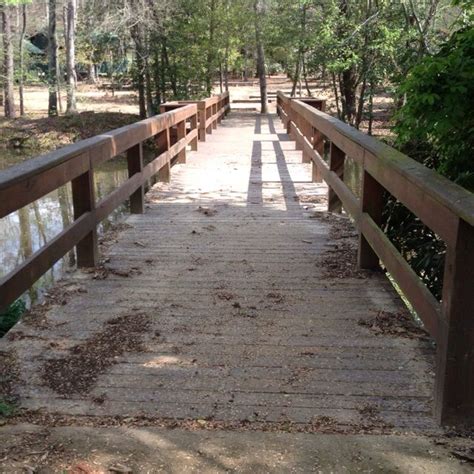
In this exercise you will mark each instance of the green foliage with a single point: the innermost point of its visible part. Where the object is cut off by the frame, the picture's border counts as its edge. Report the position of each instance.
(10, 317)
(438, 109)
(435, 127)
(6, 409)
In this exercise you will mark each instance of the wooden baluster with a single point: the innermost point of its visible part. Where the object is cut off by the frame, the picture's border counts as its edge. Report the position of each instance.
(202, 120)
(306, 129)
(214, 115)
(289, 113)
(219, 107)
(135, 165)
(181, 133)
(372, 202)
(209, 115)
(336, 164)
(194, 126)
(318, 145)
(163, 144)
(454, 391)
(83, 199)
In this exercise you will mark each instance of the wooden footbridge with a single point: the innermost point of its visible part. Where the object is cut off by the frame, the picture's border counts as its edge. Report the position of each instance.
(232, 295)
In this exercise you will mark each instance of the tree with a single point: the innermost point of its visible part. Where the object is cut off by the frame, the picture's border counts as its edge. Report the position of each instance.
(261, 69)
(52, 60)
(70, 29)
(8, 62)
(22, 58)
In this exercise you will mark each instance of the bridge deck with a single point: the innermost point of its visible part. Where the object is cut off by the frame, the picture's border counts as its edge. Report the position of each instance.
(234, 298)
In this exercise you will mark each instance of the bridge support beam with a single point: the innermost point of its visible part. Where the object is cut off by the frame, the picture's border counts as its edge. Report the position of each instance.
(454, 393)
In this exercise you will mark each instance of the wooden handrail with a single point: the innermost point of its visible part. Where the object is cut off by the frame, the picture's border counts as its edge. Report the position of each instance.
(442, 205)
(22, 184)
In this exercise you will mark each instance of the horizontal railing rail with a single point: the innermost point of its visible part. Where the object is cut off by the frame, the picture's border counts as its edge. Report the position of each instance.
(440, 204)
(23, 184)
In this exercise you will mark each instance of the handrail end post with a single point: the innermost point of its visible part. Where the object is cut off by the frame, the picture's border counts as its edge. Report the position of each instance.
(454, 391)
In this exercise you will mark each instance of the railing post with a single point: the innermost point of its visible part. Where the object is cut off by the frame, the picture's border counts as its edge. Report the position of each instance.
(372, 202)
(194, 125)
(336, 164)
(454, 392)
(318, 145)
(306, 130)
(219, 107)
(135, 165)
(83, 199)
(181, 133)
(289, 113)
(208, 116)
(163, 144)
(214, 115)
(202, 120)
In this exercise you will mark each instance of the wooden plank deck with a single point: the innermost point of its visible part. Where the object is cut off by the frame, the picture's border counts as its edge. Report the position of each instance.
(222, 302)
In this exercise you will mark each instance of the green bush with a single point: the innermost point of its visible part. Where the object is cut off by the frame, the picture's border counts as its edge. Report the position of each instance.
(10, 317)
(435, 127)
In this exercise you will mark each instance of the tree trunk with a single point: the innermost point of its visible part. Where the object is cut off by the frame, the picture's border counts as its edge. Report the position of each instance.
(336, 95)
(71, 57)
(226, 66)
(371, 107)
(305, 76)
(360, 108)
(150, 108)
(8, 64)
(348, 85)
(211, 49)
(261, 72)
(92, 73)
(221, 78)
(52, 60)
(22, 59)
(137, 36)
(296, 75)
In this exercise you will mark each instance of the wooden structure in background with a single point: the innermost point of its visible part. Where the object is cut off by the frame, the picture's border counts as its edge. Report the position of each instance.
(443, 206)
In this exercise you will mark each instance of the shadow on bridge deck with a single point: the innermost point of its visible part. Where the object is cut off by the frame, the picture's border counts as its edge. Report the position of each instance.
(233, 299)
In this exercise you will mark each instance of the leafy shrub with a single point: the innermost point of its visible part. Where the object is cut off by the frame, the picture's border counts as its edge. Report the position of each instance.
(435, 127)
(10, 317)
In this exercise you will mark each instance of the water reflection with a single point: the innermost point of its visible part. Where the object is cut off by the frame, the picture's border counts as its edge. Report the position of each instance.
(27, 230)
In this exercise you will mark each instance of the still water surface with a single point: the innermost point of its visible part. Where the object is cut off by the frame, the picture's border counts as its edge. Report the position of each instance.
(27, 230)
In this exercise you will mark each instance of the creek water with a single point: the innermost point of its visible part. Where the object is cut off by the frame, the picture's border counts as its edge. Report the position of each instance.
(25, 231)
